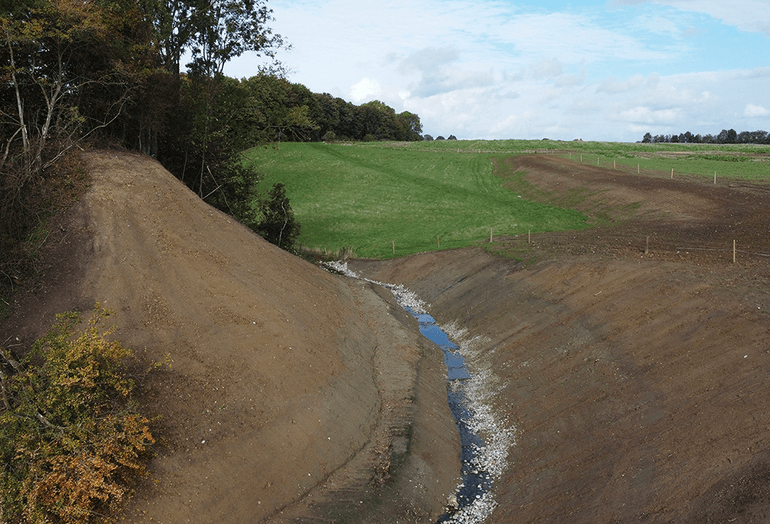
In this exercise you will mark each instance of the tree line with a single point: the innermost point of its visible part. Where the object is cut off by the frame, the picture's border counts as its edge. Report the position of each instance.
(77, 73)
(269, 108)
(726, 136)
(147, 75)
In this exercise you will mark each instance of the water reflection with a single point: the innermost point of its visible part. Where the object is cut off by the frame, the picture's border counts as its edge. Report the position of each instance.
(475, 480)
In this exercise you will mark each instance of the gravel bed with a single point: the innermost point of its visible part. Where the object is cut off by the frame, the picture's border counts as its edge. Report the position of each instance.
(498, 434)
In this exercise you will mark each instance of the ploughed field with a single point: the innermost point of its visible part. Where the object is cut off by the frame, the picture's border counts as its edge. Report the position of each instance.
(632, 358)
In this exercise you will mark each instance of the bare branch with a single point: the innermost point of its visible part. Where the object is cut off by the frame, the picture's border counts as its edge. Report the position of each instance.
(6, 402)
(8, 147)
(48, 424)
(77, 142)
(6, 355)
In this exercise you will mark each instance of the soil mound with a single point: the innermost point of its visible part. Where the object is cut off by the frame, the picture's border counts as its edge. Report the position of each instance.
(288, 393)
(637, 381)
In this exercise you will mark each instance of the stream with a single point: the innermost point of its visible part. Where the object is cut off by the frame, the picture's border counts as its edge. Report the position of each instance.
(476, 481)
(468, 394)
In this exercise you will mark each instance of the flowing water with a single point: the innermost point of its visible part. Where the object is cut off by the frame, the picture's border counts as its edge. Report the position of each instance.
(475, 479)
(467, 393)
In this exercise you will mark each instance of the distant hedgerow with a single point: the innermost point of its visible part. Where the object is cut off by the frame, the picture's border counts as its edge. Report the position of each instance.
(70, 436)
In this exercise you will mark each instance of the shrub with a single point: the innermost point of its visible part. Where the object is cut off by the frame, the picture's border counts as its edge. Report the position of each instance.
(278, 225)
(330, 136)
(70, 436)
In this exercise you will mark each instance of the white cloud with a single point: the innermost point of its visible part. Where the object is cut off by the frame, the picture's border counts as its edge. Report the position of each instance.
(613, 86)
(366, 88)
(752, 111)
(429, 60)
(438, 74)
(746, 15)
(501, 69)
(660, 26)
(584, 106)
(646, 115)
(509, 123)
(572, 37)
(546, 68)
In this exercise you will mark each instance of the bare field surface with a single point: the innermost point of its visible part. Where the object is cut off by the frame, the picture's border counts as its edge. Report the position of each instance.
(634, 372)
(287, 393)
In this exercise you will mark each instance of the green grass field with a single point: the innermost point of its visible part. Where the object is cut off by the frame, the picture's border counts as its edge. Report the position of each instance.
(370, 196)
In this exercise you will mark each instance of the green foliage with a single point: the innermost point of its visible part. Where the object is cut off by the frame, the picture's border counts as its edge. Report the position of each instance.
(204, 151)
(211, 32)
(68, 69)
(277, 224)
(70, 437)
(221, 30)
(278, 110)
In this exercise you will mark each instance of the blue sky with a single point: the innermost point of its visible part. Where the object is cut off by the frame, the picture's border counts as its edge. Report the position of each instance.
(492, 69)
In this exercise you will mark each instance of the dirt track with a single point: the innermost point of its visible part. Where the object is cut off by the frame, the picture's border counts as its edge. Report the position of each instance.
(637, 382)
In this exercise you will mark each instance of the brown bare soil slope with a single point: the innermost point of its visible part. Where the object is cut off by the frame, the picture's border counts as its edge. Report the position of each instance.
(288, 393)
(637, 382)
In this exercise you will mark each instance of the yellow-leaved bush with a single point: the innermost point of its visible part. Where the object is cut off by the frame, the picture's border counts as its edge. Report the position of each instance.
(70, 434)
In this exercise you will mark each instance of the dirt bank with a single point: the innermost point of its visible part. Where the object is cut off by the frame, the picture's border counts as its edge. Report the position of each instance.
(637, 381)
(289, 392)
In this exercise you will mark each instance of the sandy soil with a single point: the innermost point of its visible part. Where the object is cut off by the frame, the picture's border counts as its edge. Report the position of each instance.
(288, 393)
(637, 381)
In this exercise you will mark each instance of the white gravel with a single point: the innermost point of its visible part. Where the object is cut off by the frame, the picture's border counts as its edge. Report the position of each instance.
(498, 434)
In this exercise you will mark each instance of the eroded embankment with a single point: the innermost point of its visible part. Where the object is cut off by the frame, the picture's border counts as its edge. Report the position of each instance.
(637, 388)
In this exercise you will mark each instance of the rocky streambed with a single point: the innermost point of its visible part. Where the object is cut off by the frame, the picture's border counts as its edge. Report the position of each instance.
(471, 383)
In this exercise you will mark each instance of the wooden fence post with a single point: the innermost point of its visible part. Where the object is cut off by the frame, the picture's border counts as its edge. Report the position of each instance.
(394, 247)
(490, 235)
(672, 173)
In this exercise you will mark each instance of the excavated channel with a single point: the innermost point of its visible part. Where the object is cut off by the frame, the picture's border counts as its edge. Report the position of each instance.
(473, 499)
(475, 480)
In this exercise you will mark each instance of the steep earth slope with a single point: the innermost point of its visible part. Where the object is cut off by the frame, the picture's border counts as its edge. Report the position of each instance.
(288, 392)
(637, 381)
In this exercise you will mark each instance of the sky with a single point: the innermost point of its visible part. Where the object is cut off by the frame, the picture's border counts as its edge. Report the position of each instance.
(492, 69)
